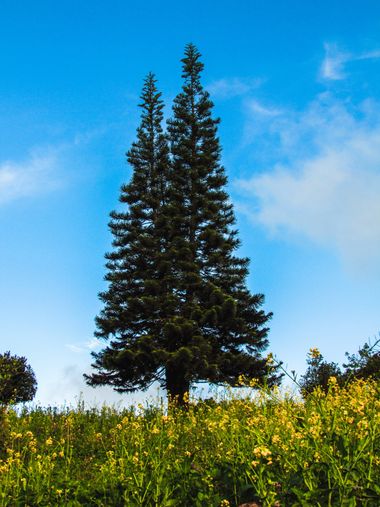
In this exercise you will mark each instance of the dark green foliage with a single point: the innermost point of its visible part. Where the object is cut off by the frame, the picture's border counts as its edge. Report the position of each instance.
(227, 325)
(318, 374)
(365, 364)
(177, 309)
(136, 296)
(17, 380)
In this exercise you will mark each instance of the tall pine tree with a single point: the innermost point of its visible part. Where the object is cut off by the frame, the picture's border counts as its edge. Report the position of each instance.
(130, 318)
(177, 309)
(219, 329)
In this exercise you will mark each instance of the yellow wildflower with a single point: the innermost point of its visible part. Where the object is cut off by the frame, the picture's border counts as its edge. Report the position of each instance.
(314, 353)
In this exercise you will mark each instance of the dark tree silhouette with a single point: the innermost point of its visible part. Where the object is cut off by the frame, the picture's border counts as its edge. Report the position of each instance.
(17, 380)
(177, 309)
(365, 364)
(318, 374)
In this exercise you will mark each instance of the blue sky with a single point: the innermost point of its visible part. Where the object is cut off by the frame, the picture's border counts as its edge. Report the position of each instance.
(297, 87)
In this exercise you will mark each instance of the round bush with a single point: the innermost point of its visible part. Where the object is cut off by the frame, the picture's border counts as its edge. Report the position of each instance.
(17, 379)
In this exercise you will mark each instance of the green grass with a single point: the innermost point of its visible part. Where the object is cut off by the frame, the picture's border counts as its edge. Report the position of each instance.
(257, 446)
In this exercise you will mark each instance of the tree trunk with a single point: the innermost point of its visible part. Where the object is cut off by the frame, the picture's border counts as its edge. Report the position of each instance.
(4, 430)
(177, 387)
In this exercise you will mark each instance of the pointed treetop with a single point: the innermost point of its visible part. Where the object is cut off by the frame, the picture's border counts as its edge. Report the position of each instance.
(191, 65)
(150, 83)
(150, 95)
(152, 106)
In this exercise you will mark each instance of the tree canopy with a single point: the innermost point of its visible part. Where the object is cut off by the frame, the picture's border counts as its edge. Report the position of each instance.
(363, 365)
(17, 379)
(177, 309)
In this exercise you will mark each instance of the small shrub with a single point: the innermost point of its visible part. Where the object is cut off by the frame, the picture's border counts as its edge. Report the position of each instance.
(365, 364)
(319, 373)
(17, 380)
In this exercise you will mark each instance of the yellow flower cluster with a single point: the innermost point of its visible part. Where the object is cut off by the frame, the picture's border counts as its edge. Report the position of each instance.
(261, 438)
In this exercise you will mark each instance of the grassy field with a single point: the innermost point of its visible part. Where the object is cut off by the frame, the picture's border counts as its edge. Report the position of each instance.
(260, 446)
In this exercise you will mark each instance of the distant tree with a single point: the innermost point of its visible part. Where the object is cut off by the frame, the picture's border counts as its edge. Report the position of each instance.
(17, 380)
(365, 364)
(177, 309)
(318, 373)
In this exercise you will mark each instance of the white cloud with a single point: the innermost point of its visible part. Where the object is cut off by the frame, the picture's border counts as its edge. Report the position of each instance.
(34, 175)
(45, 168)
(329, 189)
(86, 137)
(92, 344)
(233, 87)
(67, 387)
(369, 54)
(333, 65)
(257, 107)
(78, 348)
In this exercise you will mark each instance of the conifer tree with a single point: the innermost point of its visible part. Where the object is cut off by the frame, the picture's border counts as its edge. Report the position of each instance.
(130, 318)
(219, 329)
(177, 309)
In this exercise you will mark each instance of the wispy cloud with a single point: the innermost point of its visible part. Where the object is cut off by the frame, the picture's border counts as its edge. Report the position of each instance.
(87, 136)
(259, 108)
(369, 54)
(75, 348)
(233, 87)
(34, 175)
(78, 348)
(335, 60)
(333, 64)
(328, 189)
(46, 168)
